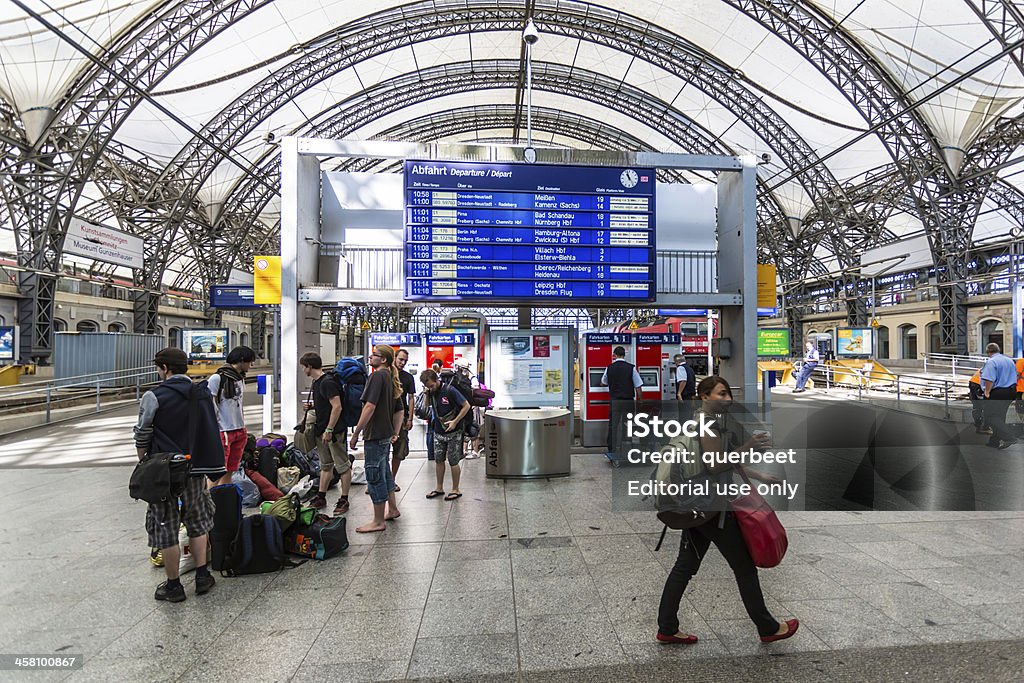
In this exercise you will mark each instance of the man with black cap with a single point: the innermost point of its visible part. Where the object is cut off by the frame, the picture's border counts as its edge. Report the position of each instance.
(178, 416)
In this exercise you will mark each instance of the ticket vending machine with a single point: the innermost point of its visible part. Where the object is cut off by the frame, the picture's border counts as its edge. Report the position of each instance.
(595, 405)
(411, 342)
(654, 353)
(451, 346)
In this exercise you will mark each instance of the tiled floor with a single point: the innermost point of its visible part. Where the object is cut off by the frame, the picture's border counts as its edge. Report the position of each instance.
(514, 578)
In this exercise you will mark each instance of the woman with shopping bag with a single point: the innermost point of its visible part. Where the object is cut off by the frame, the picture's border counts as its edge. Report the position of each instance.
(719, 525)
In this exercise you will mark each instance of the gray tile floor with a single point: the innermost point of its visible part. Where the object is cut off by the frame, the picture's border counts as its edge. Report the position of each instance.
(514, 579)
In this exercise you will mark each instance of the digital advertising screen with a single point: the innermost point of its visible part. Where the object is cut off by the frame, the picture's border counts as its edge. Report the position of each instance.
(772, 341)
(211, 344)
(6, 343)
(852, 342)
(525, 233)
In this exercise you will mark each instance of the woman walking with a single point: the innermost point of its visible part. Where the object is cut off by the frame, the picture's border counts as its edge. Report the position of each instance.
(722, 530)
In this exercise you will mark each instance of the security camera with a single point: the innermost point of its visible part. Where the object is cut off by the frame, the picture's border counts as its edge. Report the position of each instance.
(530, 34)
(766, 158)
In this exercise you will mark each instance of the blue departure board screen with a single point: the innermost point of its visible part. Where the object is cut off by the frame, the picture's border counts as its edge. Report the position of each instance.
(524, 232)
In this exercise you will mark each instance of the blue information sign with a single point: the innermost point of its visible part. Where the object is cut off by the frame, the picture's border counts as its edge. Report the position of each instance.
(232, 296)
(658, 338)
(609, 338)
(396, 338)
(515, 232)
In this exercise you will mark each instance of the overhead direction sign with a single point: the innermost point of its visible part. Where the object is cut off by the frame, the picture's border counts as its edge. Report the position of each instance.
(103, 244)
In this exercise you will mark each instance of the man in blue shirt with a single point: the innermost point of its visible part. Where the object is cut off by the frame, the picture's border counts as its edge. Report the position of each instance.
(810, 362)
(999, 385)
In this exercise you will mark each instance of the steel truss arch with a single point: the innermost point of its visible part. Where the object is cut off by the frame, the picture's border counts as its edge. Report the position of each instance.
(942, 202)
(1005, 21)
(248, 198)
(418, 22)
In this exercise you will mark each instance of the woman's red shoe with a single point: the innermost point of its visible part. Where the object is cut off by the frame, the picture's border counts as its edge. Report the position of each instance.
(793, 625)
(684, 640)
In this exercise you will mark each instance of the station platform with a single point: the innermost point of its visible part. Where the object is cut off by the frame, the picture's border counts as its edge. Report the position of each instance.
(519, 580)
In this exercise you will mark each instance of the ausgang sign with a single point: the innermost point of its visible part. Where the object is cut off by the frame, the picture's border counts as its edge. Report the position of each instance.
(103, 244)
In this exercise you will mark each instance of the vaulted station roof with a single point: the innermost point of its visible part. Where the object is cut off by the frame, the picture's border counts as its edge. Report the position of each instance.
(871, 113)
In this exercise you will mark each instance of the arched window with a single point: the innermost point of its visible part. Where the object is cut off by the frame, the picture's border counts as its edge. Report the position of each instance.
(116, 327)
(87, 326)
(991, 331)
(934, 338)
(882, 347)
(908, 342)
(60, 325)
(174, 337)
(243, 339)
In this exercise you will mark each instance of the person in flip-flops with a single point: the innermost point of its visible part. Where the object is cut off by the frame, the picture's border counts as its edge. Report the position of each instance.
(448, 407)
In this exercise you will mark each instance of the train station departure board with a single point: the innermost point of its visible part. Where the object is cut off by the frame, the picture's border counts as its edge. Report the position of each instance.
(524, 232)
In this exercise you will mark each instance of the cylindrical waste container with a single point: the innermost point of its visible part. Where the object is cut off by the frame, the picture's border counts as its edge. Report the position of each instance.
(527, 443)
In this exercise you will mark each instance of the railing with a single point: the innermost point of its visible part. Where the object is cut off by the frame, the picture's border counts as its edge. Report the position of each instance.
(44, 398)
(901, 386)
(951, 362)
(380, 268)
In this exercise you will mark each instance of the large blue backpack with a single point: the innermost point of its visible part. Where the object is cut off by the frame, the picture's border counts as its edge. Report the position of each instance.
(350, 373)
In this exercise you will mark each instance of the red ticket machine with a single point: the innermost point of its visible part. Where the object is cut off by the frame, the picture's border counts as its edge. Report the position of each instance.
(596, 356)
(449, 347)
(654, 353)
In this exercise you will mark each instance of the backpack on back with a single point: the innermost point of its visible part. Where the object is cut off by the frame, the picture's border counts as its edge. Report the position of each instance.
(350, 374)
(458, 382)
(258, 548)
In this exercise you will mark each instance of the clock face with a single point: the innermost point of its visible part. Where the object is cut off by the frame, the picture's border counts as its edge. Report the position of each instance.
(530, 155)
(629, 178)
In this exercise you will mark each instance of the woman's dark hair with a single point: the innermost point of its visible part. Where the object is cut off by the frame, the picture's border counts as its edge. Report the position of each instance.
(241, 354)
(708, 384)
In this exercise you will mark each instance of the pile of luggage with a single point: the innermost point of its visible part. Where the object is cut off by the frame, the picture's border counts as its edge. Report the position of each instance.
(276, 477)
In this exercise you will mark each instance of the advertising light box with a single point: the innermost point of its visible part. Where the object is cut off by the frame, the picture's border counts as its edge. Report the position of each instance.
(772, 341)
(6, 343)
(853, 342)
(528, 233)
(211, 344)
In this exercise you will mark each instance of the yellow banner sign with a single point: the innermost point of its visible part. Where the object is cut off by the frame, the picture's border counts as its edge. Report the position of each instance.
(267, 282)
(767, 295)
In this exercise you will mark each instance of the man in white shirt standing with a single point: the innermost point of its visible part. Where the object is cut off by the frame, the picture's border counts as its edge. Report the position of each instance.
(227, 386)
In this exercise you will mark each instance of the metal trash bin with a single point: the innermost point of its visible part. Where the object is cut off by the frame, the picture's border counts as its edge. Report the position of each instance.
(527, 443)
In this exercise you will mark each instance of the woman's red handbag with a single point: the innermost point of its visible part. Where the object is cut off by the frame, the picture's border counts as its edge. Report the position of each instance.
(762, 531)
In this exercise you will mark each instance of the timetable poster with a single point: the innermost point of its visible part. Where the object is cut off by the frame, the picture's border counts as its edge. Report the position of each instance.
(529, 365)
(528, 233)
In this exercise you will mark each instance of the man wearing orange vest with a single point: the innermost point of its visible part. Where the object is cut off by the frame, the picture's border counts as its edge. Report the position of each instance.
(977, 397)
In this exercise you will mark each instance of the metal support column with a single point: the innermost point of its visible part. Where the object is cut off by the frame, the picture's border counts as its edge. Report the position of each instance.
(35, 316)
